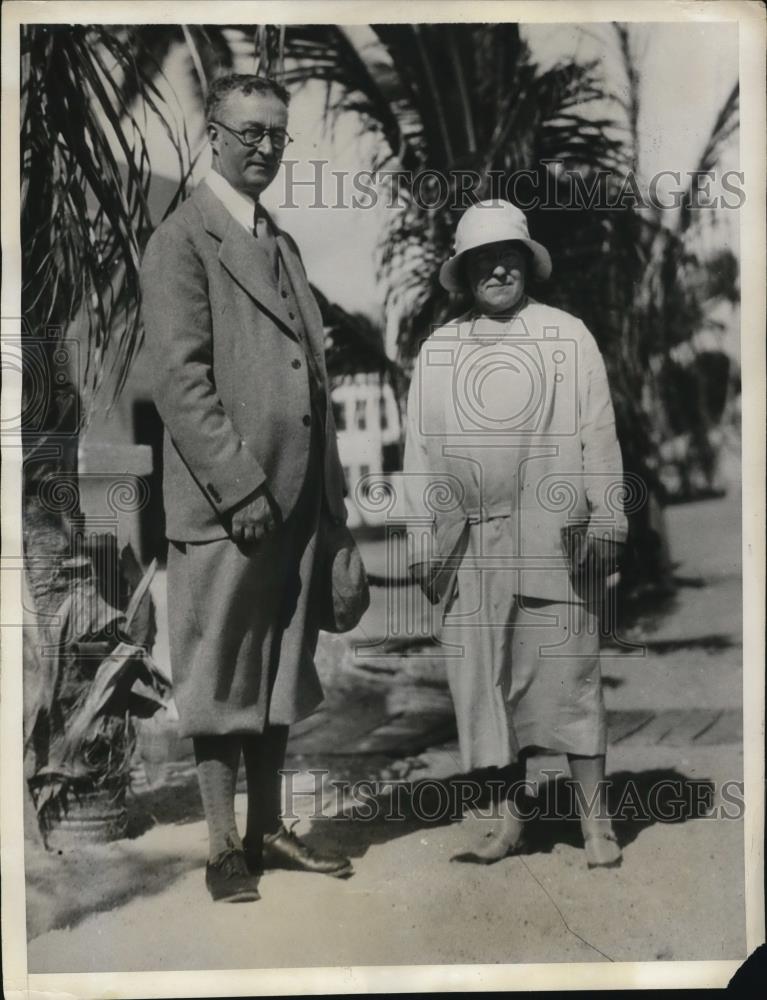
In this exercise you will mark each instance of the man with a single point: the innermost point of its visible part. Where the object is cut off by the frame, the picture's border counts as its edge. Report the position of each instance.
(250, 468)
(510, 407)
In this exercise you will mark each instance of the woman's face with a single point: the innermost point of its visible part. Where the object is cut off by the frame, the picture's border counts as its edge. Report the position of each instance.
(496, 275)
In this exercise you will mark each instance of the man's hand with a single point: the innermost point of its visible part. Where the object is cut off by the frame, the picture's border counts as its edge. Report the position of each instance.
(253, 518)
(425, 575)
(601, 558)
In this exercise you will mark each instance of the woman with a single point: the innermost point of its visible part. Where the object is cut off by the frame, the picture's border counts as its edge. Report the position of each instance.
(511, 451)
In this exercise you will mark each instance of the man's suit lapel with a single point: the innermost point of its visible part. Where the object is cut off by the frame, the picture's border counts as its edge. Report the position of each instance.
(242, 256)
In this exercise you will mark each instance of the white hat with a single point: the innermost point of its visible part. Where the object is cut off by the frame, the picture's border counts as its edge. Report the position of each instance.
(491, 221)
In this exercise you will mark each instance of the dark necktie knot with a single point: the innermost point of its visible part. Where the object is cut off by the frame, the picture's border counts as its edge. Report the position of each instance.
(260, 225)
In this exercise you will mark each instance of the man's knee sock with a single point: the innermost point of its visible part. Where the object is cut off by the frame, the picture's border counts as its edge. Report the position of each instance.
(264, 757)
(218, 758)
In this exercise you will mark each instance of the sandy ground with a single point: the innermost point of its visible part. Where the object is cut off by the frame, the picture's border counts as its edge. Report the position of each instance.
(141, 904)
(677, 896)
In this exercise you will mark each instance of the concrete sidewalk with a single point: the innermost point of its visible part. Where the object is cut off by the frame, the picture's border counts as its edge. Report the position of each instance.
(675, 716)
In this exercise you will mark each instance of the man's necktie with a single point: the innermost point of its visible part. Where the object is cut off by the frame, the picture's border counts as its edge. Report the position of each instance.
(263, 233)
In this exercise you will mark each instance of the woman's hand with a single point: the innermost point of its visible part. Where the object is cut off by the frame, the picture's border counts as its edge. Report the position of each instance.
(600, 557)
(424, 574)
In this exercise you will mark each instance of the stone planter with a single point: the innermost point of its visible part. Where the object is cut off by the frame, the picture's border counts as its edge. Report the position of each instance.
(94, 817)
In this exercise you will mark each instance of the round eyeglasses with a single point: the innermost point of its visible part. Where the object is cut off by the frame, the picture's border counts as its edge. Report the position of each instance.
(255, 135)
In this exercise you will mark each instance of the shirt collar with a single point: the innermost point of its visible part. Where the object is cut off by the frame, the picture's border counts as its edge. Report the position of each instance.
(490, 330)
(239, 206)
(495, 323)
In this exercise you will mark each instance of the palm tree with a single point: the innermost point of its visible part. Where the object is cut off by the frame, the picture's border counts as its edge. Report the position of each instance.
(667, 287)
(451, 98)
(85, 175)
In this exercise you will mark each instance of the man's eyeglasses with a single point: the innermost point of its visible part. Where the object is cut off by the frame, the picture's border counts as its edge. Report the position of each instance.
(255, 135)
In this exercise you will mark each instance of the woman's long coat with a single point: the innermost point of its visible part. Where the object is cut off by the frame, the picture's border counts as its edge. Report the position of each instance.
(510, 447)
(514, 420)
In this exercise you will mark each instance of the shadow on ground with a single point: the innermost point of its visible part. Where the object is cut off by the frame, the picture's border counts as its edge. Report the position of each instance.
(176, 800)
(638, 800)
(63, 889)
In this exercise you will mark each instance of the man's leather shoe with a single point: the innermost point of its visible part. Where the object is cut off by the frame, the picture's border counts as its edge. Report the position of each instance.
(286, 850)
(228, 879)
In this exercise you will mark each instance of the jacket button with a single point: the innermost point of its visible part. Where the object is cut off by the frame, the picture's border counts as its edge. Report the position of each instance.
(296, 363)
(292, 315)
(307, 420)
(284, 294)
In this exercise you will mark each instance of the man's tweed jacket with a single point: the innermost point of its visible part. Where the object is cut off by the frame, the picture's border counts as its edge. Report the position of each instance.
(229, 372)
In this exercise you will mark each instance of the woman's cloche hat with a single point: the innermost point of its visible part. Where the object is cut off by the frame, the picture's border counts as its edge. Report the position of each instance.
(491, 221)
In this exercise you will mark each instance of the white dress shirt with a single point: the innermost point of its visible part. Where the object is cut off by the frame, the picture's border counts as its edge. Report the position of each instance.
(239, 206)
(243, 210)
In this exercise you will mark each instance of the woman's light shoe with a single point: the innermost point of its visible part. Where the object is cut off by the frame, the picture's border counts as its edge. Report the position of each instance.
(602, 850)
(494, 847)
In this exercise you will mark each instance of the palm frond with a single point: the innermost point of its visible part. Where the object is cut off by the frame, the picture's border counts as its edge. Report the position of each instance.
(631, 103)
(725, 125)
(86, 173)
(363, 78)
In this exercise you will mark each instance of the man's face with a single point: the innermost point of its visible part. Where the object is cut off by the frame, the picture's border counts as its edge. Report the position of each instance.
(248, 169)
(496, 275)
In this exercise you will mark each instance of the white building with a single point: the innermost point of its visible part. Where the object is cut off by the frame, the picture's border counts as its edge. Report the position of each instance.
(367, 420)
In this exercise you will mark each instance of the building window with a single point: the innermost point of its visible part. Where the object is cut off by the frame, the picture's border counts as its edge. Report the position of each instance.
(390, 457)
(360, 416)
(383, 415)
(339, 415)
